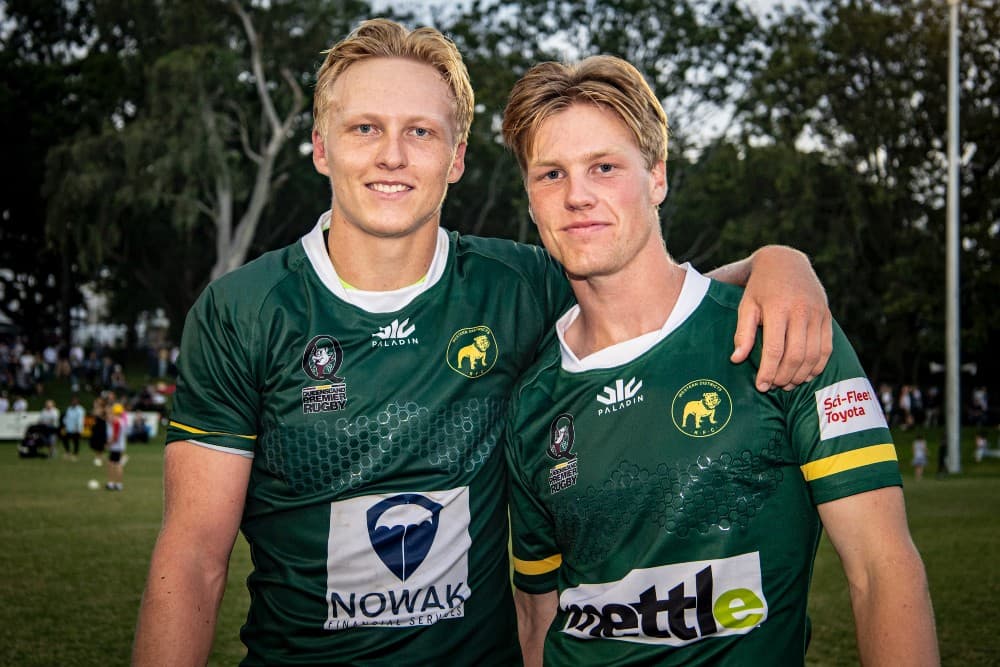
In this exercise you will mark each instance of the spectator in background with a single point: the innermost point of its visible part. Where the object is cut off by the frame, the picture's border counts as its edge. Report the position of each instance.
(977, 453)
(75, 359)
(92, 370)
(99, 429)
(888, 401)
(118, 382)
(905, 407)
(26, 371)
(50, 362)
(49, 418)
(4, 402)
(932, 414)
(72, 428)
(980, 406)
(917, 404)
(20, 404)
(919, 461)
(116, 448)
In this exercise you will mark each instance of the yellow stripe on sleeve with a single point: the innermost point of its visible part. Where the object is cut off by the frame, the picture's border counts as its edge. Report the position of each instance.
(198, 431)
(831, 465)
(532, 567)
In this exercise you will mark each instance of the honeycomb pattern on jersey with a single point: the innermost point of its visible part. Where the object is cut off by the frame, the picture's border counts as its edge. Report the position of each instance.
(349, 453)
(685, 499)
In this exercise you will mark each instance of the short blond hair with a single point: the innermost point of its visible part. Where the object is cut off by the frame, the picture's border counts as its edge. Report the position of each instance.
(605, 81)
(382, 38)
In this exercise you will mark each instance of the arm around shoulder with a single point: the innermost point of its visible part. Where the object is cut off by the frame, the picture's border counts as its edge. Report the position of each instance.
(784, 295)
(204, 494)
(889, 595)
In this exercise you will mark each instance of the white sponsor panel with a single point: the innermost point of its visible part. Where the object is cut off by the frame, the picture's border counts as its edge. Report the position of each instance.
(398, 559)
(672, 605)
(848, 406)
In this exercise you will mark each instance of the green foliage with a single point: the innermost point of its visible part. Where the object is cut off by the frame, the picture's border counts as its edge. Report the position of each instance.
(843, 155)
(140, 114)
(694, 54)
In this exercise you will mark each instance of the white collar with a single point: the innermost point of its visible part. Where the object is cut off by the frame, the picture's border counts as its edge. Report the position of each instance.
(692, 293)
(373, 302)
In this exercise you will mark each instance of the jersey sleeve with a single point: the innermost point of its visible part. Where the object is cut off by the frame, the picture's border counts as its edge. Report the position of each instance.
(217, 398)
(837, 426)
(536, 556)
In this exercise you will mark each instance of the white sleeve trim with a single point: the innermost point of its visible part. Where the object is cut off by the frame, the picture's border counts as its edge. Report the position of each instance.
(228, 450)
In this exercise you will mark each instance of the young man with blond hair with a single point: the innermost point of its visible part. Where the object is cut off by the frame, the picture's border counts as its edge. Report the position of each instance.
(663, 510)
(340, 400)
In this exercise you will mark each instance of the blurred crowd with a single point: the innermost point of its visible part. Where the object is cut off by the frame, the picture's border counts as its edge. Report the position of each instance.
(24, 372)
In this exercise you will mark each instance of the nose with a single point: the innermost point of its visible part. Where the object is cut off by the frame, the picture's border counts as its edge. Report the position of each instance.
(579, 195)
(392, 153)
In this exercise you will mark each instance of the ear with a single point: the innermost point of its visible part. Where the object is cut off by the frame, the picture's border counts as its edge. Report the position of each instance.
(457, 164)
(658, 182)
(319, 154)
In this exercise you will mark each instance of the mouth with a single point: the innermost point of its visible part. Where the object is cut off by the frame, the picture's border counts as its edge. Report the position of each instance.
(389, 188)
(585, 227)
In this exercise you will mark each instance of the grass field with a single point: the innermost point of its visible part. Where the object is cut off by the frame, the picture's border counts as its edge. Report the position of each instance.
(73, 563)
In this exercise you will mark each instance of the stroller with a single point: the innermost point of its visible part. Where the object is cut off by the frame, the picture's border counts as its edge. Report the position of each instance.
(35, 442)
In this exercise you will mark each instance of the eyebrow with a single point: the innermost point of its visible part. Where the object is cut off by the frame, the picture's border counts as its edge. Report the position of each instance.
(588, 157)
(352, 118)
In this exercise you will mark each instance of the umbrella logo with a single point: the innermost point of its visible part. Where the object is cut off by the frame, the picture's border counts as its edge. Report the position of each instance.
(401, 530)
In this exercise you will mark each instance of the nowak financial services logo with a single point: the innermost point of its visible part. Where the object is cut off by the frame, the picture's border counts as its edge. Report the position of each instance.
(398, 560)
(395, 334)
(322, 360)
(402, 530)
(620, 396)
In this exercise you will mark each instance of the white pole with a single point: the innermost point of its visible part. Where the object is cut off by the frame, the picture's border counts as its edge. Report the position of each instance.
(953, 408)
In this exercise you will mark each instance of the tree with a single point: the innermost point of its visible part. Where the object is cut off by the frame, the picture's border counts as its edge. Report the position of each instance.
(863, 86)
(696, 56)
(201, 150)
(45, 98)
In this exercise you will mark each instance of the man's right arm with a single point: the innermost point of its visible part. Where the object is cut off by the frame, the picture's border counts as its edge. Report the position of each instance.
(204, 493)
(534, 616)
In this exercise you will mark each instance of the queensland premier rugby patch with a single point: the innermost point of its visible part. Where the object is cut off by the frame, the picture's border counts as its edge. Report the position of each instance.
(848, 406)
(321, 360)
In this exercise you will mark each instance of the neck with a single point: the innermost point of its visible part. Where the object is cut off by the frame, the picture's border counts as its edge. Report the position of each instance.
(381, 264)
(626, 305)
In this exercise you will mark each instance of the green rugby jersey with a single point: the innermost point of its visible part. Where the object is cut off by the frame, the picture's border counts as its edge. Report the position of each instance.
(376, 508)
(673, 506)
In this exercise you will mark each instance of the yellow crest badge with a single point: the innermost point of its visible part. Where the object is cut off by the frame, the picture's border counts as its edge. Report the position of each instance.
(701, 408)
(472, 351)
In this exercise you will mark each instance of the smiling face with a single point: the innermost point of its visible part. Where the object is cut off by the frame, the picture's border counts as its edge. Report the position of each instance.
(591, 195)
(390, 147)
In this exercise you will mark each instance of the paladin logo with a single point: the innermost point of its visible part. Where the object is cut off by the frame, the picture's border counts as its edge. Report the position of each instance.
(472, 351)
(701, 408)
(562, 435)
(620, 396)
(397, 333)
(321, 360)
(402, 530)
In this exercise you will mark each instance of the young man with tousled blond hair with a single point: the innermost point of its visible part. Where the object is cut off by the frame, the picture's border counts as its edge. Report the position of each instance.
(663, 510)
(340, 400)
